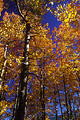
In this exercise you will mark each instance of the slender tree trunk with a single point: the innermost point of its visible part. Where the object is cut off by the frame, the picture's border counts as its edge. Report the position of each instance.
(74, 113)
(70, 106)
(78, 75)
(55, 102)
(60, 102)
(22, 97)
(43, 105)
(2, 72)
(79, 87)
(66, 98)
(41, 87)
(43, 99)
(42, 95)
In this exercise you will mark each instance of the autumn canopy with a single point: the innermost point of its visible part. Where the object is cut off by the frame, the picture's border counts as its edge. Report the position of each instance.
(39, 67)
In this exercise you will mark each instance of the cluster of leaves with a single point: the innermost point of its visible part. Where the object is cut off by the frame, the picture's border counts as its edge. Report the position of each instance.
(54, 77)
(38, 7)
(15, 41)
(12, 39)
(68, 13)
(62, 73)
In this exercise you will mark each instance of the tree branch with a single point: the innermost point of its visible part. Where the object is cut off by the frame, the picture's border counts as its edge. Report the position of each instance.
(18, 8)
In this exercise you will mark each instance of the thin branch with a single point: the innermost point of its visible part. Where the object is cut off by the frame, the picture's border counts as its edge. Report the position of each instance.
(18, 8)
(34, 74)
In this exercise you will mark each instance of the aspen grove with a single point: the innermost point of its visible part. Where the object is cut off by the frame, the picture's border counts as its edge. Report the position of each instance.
(39, 67)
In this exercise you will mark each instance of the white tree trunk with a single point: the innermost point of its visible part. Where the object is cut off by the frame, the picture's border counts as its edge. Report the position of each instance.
(3, 71)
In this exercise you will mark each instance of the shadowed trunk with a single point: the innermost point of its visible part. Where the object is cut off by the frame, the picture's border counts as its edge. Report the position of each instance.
(42, 94)
(70, 105)
(66, 98)
(74, 113)
(55, 102)
(22, 97)
(60, 101)
(43, 102)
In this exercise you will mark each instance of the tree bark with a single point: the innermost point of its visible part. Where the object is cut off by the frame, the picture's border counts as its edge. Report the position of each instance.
(74, 113)
(66, 98)
(55, 102)
(22, 97)
(3, 72)
(70, 105)
(43, 102)
(60, 101)
(42, 95)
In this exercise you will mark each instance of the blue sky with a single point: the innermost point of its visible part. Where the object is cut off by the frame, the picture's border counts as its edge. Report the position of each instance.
(51, 20)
